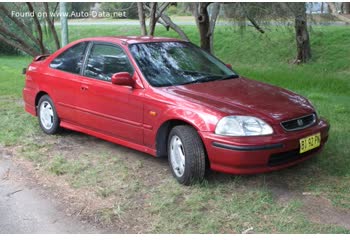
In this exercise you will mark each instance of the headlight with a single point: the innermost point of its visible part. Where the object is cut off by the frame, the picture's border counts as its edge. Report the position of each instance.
(242, 126)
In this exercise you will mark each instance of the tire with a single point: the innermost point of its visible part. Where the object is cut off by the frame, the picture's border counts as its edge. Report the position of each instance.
(47, 115)
(186, 155)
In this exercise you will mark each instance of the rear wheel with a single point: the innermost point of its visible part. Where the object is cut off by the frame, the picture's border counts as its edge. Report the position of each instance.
(186, 155)
(47, 115)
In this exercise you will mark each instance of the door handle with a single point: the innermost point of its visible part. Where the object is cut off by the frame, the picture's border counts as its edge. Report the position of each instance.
(84, 88)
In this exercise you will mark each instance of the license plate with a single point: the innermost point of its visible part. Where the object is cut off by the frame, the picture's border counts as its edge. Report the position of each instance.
(310, 142)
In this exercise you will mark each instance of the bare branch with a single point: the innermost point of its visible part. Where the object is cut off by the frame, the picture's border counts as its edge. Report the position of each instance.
(251, 19)
(19, 46)
(38, 28)
(175, 27)
(21, 25)
(9, 34)
(162, 8)
(167, 22)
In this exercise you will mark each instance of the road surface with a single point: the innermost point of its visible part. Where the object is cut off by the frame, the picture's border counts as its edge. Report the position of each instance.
(27, 210)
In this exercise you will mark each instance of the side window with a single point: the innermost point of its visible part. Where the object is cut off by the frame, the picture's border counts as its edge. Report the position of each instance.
(70, 60)
(106, 60)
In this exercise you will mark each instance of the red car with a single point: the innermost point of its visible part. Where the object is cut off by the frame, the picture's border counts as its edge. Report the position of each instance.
(167, 97)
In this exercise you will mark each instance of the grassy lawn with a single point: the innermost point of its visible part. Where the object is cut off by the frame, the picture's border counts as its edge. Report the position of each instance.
(269, 203)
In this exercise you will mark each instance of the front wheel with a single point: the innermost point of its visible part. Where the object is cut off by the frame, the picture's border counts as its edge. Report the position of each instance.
(186, 155)
(47, 115)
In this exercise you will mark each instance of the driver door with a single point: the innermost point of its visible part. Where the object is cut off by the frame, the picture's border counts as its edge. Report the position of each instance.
(104, 107)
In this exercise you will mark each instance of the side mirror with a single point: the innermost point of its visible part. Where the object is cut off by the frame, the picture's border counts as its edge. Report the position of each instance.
(123, 79)
(228, 65)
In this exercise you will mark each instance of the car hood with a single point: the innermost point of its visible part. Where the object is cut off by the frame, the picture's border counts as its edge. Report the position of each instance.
(243, 96)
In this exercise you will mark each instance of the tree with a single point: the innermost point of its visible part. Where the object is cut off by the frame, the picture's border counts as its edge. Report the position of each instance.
(302, 38)
(156, 14)
(277, 11)
(25, 33)
(201, 15)
(166, 21)
(333, 11)
(142, 17)
(64, 23)
(301, 33)
(206, 15)
(51, 24)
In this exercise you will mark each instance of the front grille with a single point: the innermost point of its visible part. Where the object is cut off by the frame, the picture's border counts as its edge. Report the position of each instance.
(287, 157)
(299, 123)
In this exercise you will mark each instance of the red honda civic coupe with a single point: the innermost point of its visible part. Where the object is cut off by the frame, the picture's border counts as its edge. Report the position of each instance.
(168, 97)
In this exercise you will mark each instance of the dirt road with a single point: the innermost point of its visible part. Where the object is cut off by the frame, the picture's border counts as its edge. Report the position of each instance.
(26, 209)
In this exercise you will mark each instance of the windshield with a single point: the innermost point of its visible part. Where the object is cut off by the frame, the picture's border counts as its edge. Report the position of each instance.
(178, 63)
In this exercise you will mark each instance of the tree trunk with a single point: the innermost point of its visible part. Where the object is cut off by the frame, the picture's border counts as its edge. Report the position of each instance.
(141, 12)
(302, 34)
(64, 23)
(152, 18)
(202, 20)
(51, 25)
(214, 16)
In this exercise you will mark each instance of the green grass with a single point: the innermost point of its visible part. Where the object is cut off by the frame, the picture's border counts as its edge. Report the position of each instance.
(223, 203)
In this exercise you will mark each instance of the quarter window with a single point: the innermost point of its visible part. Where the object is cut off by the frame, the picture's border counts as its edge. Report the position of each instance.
(106, 60)
(70, 60)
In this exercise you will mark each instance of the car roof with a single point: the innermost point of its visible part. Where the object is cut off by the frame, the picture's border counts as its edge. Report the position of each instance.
(132, 39)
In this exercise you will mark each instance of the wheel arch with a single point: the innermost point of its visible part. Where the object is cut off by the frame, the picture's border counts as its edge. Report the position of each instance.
(163, 134)
(37, 98)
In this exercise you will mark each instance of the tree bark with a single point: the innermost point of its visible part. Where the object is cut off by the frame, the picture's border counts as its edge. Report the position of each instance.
(51, 25)
(141, 12)
(302, 34)
(202, 20)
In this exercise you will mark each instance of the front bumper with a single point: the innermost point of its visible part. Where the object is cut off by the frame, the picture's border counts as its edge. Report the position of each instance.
(250, 155)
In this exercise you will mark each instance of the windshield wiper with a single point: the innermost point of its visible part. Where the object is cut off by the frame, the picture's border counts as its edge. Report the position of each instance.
(202, 79)
(211, 78)
(228, 77)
